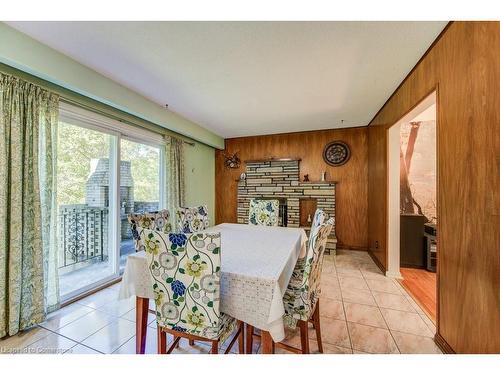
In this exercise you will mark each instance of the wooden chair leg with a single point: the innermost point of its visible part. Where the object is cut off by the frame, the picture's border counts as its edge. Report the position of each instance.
(141, 325)
(162, 341)
(174, 344)
(191, 342)
(249, 339)
(241, 338)
(317, 327)
(304, 336)
(215, 347)
(267, 343)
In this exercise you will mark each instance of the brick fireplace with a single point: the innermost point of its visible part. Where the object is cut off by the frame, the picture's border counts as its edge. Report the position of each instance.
(280, 179)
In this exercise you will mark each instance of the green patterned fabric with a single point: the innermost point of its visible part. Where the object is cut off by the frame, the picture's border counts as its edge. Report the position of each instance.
(185, 270)
(298, 271)
(192, 219)
(263, 212)
(157, 220)
(28, 251)
(304, 288)
(174, 171)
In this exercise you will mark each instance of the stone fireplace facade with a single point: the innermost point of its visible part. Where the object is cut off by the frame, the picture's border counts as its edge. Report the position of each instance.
(280, 179)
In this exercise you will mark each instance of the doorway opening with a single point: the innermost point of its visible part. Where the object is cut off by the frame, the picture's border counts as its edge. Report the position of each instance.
(413, 204)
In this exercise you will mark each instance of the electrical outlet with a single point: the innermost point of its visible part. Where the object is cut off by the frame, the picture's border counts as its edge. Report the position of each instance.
(376, 244)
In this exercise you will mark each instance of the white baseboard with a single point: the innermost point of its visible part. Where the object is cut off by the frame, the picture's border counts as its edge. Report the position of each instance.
(394, 275)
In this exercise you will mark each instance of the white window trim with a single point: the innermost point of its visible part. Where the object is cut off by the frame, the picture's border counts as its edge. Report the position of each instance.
(80, 116)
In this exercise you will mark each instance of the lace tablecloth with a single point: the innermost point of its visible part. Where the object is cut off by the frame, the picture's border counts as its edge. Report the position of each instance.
(257, 263)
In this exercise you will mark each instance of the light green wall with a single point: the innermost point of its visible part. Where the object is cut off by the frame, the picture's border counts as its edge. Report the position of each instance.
(76, 82)
(24, 53)
(200, 177)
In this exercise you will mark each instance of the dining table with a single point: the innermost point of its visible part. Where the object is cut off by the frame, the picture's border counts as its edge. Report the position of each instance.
(256, 266)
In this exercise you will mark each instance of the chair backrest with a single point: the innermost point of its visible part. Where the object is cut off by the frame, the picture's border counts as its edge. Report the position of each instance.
(192, 219)
(318, 219)
(313, 264)
(157, 220)
(263, 212)
(185, 271)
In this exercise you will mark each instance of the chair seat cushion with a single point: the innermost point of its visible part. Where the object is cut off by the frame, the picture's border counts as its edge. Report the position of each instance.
(226, 326)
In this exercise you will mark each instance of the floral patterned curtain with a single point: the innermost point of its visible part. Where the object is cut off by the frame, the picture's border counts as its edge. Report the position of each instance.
(174, 172)
(28, 251)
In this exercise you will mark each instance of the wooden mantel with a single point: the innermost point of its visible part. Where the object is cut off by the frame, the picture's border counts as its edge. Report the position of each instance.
(272, 159)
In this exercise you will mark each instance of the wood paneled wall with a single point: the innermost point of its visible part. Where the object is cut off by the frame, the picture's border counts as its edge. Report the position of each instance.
(352, 178)
(464, 67)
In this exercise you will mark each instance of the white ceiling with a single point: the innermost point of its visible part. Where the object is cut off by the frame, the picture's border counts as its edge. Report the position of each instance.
(248, 78)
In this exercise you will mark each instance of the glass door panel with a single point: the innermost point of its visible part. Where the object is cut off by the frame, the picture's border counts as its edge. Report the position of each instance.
(85, 193)
(139, 188)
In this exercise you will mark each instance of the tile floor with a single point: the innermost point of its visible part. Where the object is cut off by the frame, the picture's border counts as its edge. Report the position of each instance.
(362, 311)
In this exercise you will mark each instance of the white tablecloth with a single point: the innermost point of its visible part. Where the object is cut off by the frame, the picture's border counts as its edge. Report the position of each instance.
(257, 263)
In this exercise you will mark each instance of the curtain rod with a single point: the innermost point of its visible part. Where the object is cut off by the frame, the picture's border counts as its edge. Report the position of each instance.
(103, 113)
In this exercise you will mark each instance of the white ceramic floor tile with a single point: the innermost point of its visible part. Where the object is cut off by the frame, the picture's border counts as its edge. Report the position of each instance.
(392, 301)
(81, 349)
(331, 308)
(374, 274)
(349, 272)
(151, 344)
(406, 322)
(386, 286)
(51, 344)
(349, 282)
(111, 337)
(358, 296)
(331, 292)
(87, 325)
(17, 343)
(99, 299)
(131, 316)
(333, 332)
(412, 344)
(364, 314)
(119, 307)
(64, 316)
(371, 339)
(430, 324)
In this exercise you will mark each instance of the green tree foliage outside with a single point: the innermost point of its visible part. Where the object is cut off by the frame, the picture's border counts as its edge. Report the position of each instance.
(77, 146)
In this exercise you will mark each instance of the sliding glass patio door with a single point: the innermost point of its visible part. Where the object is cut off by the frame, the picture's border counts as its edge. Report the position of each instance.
(86, 196)
(139, 187)
(106, 170)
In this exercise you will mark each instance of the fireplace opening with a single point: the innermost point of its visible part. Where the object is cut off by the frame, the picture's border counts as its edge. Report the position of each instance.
(283, 210)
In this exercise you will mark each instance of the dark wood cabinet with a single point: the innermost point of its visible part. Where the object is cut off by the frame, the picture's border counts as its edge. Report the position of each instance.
(412, 241)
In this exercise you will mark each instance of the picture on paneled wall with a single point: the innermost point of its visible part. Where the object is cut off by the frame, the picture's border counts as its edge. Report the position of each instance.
(418, 166)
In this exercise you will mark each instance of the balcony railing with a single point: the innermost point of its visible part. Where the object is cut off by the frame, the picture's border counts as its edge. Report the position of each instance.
(83, 234)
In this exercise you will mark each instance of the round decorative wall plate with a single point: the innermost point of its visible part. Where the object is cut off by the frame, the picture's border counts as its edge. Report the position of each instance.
(336, 153)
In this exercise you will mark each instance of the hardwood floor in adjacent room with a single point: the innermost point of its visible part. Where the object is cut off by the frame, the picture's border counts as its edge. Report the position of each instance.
(421, 284)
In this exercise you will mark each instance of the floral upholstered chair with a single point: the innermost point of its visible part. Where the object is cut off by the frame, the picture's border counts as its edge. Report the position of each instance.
(185, 270)
(157, 220)
(192, 219)
(302, 295)
(263, 212)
